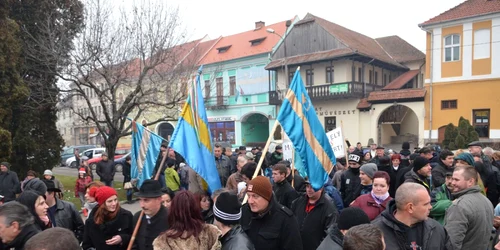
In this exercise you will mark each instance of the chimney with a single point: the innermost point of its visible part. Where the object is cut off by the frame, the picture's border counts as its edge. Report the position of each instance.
(259, 24)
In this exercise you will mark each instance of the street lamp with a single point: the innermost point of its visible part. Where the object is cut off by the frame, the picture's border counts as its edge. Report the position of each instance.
(284, 47)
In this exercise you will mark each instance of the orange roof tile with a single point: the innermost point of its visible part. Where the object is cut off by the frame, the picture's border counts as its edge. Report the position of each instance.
(399, 49)
(394, 95)
(469, 8)
(241, 45)
(363, 104)
(401, 80)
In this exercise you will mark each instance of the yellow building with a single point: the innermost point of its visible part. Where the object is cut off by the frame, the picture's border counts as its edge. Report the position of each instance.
(463, 69)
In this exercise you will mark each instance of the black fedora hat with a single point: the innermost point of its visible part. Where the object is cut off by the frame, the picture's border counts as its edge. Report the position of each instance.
(150, 189)
(51, 187)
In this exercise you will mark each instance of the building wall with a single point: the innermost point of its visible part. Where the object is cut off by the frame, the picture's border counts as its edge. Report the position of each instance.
(470, 80)
(64, 125)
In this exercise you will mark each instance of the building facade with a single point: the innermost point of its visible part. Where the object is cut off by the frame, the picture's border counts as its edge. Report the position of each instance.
(236, 85)
(372, 87)
(463, 69)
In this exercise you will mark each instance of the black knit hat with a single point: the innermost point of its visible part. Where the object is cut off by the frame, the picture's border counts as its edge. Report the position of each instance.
(227, 209)
(419, 163)
(352, 216)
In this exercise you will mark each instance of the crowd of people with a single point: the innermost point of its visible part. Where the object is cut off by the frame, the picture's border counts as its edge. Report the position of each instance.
(374, 200)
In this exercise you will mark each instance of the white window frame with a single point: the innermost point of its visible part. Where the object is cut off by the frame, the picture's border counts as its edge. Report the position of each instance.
(452, 46)
(482, 47)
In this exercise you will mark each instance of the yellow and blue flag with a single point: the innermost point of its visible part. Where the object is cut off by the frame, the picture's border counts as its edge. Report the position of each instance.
(299, 121)
(145, 149)
(192, 139)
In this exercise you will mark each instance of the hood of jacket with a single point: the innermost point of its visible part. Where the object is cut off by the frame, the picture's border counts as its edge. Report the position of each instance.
(334, 233)
(471, 190)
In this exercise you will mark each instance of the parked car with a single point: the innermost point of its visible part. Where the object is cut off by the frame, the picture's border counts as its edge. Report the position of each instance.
(69, 152)
(119, 153)
(90, 153)
(120, 162)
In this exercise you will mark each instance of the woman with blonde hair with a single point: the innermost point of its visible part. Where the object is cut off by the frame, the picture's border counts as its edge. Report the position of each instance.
(187, 228)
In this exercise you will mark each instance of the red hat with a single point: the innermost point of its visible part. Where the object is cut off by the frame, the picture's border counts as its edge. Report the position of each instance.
(93, 191)
(103, 193)
(81, 171)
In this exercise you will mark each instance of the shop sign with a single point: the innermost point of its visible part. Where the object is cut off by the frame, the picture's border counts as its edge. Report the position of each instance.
(221, 119)
(339, 88)
(320, 111)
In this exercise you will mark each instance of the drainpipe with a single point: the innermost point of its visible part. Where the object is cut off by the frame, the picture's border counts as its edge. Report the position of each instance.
(430, 86)
(420, 71)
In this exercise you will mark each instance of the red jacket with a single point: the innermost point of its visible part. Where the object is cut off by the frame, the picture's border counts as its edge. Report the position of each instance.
(368, 204)
(81, 183)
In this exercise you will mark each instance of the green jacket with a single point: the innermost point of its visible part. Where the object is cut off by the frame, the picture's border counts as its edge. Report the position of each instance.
(440, 201)
(172, 179)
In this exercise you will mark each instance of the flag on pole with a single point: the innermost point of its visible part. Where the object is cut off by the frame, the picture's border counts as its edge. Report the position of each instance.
(145, 149)
(300, 122)
(192, 139)
(238, 93)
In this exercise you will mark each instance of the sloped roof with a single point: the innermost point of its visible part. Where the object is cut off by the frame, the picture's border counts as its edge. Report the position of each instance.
(399, 49)
(363, 104)
(241, 46)
(469, 8)
(357, 42)
(312, 57)
(401, 80)
(395, 95)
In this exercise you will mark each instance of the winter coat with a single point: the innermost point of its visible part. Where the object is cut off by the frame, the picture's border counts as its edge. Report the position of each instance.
(172, 179)
(284, 193)
(413, 177)
(106, 170)
(440, 200)
(274, 229)
(9, 185)
(208, 239)
(150, 229)
(434, 236)
(96, 235)
(299, 183)
(334, 239)
(223, 165)
(313, 225)
(334, 195)
(23, 237)
(126, 172)
(236, 239)
(439, 174)
(68, 217)
(81, 184)
(350, 185)
(469, 220)
(369, 206)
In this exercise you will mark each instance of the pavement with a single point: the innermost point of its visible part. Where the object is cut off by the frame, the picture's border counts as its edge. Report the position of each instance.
(74, 172)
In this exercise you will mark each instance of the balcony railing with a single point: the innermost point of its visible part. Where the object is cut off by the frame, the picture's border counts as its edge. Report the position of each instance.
(217, 102)
(330, 92)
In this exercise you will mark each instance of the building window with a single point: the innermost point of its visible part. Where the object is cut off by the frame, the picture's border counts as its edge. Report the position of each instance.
(482, 44)
(223, 132)
(449, 104)
(291, 74)
(207, 88)
(232, 85)
(370, 77)
(329, 74)
(376, 77)
(452, 48)
(360, 74)
(309, 77)
(385, 79)
(482, 122)
(220, 86)
(330, 123)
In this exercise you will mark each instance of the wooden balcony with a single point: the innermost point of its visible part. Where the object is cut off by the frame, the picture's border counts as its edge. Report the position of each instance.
(217, 102)
(330, 92)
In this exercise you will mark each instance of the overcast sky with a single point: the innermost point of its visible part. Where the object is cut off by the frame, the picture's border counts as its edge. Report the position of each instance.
(373, 18)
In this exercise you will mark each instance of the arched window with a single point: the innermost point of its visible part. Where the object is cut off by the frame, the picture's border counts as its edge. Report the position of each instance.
(452, 48)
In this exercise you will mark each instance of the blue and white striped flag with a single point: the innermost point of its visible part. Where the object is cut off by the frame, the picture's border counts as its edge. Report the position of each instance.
(145, 149)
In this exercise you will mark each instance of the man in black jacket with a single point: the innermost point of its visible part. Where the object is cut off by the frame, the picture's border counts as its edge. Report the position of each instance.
(445, 163)
(9, 182)
(405, 222)
(154, 220)
(62, 213)
(269, 225)
(16, 225)
(349, 181)
(106, 170)
(227, 213)
(282, 189)
(314, 214)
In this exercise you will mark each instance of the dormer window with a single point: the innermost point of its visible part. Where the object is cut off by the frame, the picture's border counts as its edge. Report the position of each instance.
(257, 41)
(223, 49)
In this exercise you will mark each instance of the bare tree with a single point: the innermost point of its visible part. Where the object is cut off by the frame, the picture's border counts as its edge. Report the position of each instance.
(127, 63)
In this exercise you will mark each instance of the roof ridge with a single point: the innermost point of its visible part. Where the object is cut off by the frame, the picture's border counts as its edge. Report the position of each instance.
(387, 53)
(208, 50)
(336, 37)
